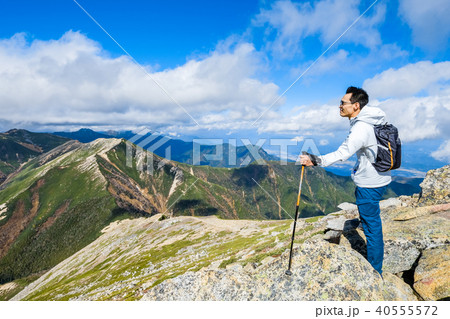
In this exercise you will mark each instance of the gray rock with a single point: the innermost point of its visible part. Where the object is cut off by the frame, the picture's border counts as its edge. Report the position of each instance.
(235, 267)
(399, 255)
(342, 224)
(390, 202)
(347, 206)
(336, 223)
(333, 236)
(320, 271)
(432, 275)
(436, 186)
(396, 289)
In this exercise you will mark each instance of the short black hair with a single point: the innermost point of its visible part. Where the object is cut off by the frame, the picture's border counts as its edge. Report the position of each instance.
(358, 95)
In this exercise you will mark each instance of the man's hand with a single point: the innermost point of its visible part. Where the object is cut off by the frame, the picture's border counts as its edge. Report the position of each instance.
(305, 160)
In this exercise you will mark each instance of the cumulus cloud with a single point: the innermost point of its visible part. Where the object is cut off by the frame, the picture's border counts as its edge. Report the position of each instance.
(72, 80)
(292, 22)
(443, 153)
(416, 98)
(428, 21)
(419, 118)
(423, 76)
(308, 120)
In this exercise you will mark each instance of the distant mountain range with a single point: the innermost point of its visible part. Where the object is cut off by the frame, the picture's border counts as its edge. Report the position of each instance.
(83, 135)
(18, 146)
(180, 150)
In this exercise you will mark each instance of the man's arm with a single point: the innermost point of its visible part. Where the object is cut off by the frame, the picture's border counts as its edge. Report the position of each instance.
(354, 141)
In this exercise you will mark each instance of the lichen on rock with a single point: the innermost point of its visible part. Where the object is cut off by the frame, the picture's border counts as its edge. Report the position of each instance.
(436, 186)
(432, 273)
(320, 271)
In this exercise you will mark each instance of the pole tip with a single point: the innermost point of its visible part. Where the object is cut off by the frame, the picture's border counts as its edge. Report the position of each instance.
(288, 272)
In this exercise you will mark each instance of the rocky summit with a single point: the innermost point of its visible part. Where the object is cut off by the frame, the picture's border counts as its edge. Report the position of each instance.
(321, 271)
(332, 266)
(207, 258)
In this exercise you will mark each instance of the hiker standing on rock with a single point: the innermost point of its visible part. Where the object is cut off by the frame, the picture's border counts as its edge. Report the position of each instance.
(370, 184)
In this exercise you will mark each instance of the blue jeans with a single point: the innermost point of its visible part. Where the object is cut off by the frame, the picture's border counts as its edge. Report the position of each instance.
(368, 201)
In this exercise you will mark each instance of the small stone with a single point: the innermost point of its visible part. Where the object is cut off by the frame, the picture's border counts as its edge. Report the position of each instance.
(343, 224)
(250, 267)
(336, 223)
(267, 260)
(236, 267)
(347, 206)
(390, 202)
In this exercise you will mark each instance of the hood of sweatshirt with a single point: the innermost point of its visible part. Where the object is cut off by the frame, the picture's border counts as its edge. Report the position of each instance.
(371, 115)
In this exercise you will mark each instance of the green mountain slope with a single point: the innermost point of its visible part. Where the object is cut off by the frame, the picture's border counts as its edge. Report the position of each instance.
(58, 202)
(18, 146)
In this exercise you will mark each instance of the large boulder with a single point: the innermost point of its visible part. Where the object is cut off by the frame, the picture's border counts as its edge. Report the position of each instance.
(424, 231)
(395, 289)
(436, 186)
(406, 231)
(320, 271)
(432, 275)
(399, 255)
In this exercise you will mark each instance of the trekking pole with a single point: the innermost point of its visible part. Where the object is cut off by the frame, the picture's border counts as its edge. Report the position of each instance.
(288, 271)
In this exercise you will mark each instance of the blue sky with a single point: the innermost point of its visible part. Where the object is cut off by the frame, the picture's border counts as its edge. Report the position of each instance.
(222, 64)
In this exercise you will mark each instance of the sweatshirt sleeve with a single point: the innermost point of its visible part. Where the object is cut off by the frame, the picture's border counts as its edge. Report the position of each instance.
(355, 140)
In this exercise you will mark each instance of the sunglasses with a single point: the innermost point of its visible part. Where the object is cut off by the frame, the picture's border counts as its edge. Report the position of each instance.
(343, 103)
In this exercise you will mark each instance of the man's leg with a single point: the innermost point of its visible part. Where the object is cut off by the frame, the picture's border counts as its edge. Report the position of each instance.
(368, 201)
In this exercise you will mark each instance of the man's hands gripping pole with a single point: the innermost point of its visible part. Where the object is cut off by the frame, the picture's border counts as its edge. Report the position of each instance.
(310, 160)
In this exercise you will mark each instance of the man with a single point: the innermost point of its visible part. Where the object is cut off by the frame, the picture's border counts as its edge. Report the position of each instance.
(370, 184)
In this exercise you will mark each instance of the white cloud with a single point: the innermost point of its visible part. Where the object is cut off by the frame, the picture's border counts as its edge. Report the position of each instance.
(293, 22)
(307, 120)
(419, 105)
(298, 139)
(72, 80)
(428, 21)
(443, 153)
(419, 118)
(419, 99)
(409, 80)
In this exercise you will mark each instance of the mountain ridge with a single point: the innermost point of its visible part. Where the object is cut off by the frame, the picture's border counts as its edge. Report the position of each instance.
(160, 258)
(206, 258)
(49, 200)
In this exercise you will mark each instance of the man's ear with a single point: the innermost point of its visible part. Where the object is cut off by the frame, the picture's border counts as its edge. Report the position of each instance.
(357, 106)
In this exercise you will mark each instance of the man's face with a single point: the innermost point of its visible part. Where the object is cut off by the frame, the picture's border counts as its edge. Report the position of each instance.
(347, 108)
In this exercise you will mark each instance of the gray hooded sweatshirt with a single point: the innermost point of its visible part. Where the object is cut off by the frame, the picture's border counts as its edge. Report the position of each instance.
(361, 140)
